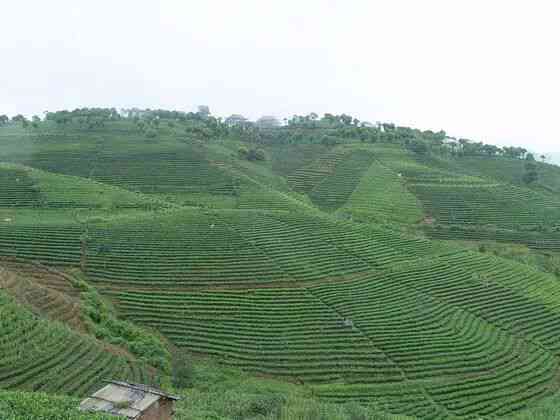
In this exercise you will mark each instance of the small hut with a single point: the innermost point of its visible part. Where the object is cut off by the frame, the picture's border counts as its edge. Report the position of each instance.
(133, 401)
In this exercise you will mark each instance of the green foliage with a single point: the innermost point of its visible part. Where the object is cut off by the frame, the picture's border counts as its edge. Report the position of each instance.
(531, 175)
(151, 133)
(308, 177)
(379, 321)
(183, 371)
(285, 159)
(381, 196)
(536, 237)
(256, 154)
(328, 140)
(224, 393)
(34, 188)
(104, 325)
(243, 152)
(465, 200)
(545, 261)
(549, 409)
(251, 154)
(41, 355)
(40, 406)
(419, 147)
(341, 181)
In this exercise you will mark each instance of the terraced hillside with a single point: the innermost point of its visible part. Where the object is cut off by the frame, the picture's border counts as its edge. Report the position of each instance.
(535, 240)
(478, 203)
(41, 355)
(306, 178)
(287, 159)
(25, 187)
(185, 248)
(183, 169)
(462, 199)
(47, 294)
(94, 173)
(382, 195)
(354, 180)
(508, 170)
(337, 187)
(297, 269)
(462, 335)
(18, 189)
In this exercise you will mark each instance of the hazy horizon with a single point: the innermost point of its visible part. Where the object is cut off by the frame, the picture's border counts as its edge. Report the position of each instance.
(480, 70)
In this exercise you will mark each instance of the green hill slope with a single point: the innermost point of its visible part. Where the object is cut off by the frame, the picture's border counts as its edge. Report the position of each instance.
(381, 196)
(16, 405)
(199, 248)
(461, 335)
(25, 187)
(479, 198)
(508, 170)
(295, 265)
(40, 355)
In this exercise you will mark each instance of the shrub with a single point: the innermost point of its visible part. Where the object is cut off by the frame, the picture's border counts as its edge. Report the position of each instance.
(251, 154)
(151, 133)
(243, 152)
(265, 405)
(183, 373)
(356, 412)
(102, 323)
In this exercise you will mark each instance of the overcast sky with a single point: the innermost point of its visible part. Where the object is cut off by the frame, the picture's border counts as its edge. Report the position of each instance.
(488, 70)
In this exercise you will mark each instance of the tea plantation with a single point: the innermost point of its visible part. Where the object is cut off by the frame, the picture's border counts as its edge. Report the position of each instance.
(313, 256)
(40, 355)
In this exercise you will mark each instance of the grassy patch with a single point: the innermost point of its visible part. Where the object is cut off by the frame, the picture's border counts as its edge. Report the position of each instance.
(229, 394)
(16, 405)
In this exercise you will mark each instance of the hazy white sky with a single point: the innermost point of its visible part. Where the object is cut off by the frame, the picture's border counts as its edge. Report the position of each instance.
(488, 69)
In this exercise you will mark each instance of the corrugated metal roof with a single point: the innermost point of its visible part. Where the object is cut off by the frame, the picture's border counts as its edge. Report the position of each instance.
(124, 399)
(146, 388)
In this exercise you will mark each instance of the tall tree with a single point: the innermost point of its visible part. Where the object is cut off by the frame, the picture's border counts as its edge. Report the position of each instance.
(531, 175)
(203, 111)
